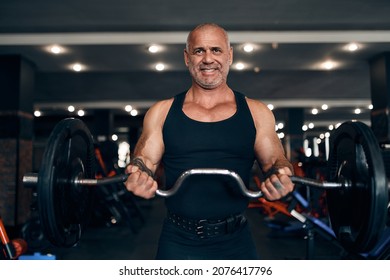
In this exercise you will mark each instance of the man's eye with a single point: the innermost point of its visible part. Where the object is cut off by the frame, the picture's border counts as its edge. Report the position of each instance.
(198, 51)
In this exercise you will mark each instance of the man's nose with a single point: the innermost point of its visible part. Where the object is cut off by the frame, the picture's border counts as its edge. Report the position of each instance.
(208, 57)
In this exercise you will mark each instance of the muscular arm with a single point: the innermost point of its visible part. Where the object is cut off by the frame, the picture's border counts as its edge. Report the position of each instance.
(270, 153)
(148, 152)
(150, 146)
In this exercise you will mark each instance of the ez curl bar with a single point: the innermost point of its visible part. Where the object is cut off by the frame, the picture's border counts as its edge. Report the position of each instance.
(31, 179)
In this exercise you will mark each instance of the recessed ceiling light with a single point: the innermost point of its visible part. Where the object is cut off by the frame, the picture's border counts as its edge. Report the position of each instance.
(160, 67)
(352, 47)
(240, 66)
(77, 67)
(328, 65)
(134, 112)
(81, 113)
(248, 48)
(55, 49)
(128, 108)
(153, 48)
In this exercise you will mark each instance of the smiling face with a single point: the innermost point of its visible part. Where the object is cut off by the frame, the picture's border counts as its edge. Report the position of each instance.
(208, 56)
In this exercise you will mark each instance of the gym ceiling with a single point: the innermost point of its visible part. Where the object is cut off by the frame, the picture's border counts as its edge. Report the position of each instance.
(293, 43)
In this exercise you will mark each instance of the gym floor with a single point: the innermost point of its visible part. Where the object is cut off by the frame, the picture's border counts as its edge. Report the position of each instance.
(137, 240)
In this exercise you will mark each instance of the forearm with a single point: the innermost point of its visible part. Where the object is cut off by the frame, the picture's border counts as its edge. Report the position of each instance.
(148, 153)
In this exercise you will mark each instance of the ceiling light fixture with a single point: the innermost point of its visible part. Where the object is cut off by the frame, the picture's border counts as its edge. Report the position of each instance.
(240, 66)
(134, 112)
(248, 48)
(352, 47)
(77, 67)
(160, 67)
(55, 49)
(328, 65)
(153, 48)
(128, 108)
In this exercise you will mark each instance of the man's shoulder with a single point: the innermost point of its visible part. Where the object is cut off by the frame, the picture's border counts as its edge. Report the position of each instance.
(162, 105)
(258, 108)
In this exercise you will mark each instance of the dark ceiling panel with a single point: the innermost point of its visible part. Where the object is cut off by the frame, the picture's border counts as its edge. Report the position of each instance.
(174, 15)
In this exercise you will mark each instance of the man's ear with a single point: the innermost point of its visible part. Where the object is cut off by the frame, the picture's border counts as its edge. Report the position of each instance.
(186, 59)
(231, 56)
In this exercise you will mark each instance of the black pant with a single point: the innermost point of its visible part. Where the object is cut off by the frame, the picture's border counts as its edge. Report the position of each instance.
(177, 244)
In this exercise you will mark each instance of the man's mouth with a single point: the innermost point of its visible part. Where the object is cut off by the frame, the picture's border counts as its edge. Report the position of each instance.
(208, 69)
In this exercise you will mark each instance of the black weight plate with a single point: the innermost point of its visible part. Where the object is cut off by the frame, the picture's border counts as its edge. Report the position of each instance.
(357, 213)
(64, 207)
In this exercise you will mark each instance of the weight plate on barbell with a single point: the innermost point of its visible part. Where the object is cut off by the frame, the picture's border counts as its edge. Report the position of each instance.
(357, 213)
(63, 206)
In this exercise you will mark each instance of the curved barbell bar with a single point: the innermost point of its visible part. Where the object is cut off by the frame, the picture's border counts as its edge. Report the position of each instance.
(31, 179)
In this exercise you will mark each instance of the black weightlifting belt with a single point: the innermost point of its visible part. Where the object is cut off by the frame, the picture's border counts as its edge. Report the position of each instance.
(208, 228)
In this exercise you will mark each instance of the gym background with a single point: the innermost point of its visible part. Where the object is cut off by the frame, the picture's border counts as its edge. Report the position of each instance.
(315, 65)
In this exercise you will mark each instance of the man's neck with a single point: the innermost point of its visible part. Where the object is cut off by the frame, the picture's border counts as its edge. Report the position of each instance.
(209, 97)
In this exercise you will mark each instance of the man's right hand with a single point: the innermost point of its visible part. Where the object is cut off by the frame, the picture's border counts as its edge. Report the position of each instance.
(140, 183)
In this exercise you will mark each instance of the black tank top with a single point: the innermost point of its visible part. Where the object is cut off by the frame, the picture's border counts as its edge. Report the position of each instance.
(226, 144)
